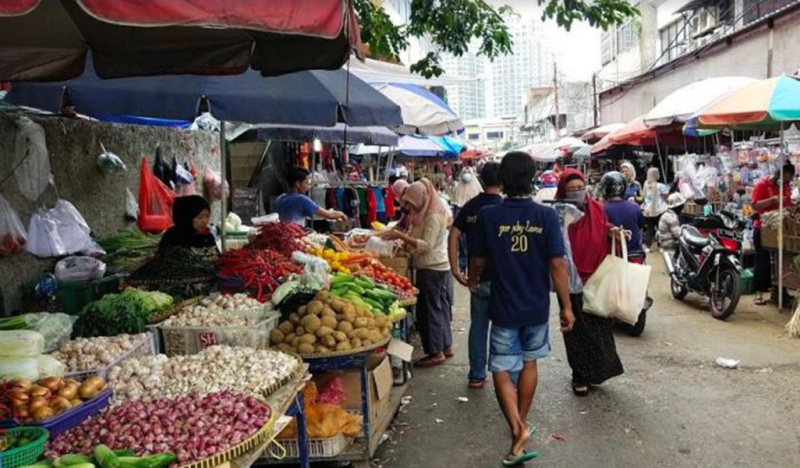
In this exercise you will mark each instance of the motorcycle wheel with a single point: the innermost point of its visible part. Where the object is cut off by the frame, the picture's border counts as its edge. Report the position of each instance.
(678, 290)
(725, 294)
(638, 329)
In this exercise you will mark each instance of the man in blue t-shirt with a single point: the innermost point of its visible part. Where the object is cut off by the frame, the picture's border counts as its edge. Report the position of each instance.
(622, 213)
(295, 206)
(522, 241)
(464, 224)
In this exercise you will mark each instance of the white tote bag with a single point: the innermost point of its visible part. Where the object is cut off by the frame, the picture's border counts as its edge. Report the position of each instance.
(617, 289)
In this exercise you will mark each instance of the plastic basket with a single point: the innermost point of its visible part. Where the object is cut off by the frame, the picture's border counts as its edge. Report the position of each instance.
(28, 453)
(68, 419)
(191, 340)
(145, 348)
(317, 448)
(72, 297)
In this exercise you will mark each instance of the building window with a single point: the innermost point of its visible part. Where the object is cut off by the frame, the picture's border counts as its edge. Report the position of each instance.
(474, 136)
(607, 47)
(673, 40)
(494, 135)
(627, 37)
(754, 10)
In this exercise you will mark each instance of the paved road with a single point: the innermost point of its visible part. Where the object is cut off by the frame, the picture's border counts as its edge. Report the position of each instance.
(672, 407)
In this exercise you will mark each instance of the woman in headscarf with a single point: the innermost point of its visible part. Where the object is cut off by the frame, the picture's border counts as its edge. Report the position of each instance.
(654, 205)
(591, 351)
(425, 240)
(191, 216)
(634, 191)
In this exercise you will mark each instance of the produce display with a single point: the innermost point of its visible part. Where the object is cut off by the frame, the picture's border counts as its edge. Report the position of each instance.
(193, 427)
(283, 238)
(216, 368)
(128, 249)
(39, 401)
(84, 354)
(215, 311)
(383, 274)
(127, 312)
(258, 272)
(21, 356)
(330, 324)
(103, 457)
(11, 441)
(325, 417)
(791, 218)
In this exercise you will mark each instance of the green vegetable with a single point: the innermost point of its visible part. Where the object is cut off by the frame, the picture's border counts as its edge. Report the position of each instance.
(105, 457)
(127, 312)
(161, 460)
(123, 453)
(46, 463)
(364, 283)
(376, 306)
(356, 289)
(340, 278)
(380, 295)
(13, 323)
(70, 460)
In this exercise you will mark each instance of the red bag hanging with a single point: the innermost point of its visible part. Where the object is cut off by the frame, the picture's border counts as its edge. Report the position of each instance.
(155, 202)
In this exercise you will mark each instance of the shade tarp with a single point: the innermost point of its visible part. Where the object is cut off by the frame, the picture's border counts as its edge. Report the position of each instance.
(377, 72)
(596, 134)
(423, 112)
(49, 40)
(318, 98)
(339, 133)
(422, 147)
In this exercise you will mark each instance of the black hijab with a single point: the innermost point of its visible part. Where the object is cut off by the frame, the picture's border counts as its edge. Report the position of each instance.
(182, 234)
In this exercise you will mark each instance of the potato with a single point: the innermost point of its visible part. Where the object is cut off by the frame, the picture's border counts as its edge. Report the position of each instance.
(324, 331)
(360, 322)
(310, 323)
(285, 348)
(343, 346)
(351, 318)
(380, 321)
(355, 343)
(289, 338)
(286, 327)
(387, 330)
(327, 311)
(300, 313)
(321, 350)
(339, 336)
(337, 305)
(366, 343)
(308, 338)
(344, 326)
(323, 296)
(315, 307)
(276, 336)
(296, 342)
(370, 322)
(351, 334)
(299, 331)
(349, 310)
(362, 333)
(374, 336)
(329, 341)
(329, 321)
(306, 348)
(359, 311)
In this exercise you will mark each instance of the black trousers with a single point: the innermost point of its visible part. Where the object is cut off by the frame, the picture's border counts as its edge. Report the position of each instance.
(763, 271)
(434, 310)
(650, 227)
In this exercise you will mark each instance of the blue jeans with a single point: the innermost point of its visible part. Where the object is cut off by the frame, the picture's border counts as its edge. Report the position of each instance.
(479, 331)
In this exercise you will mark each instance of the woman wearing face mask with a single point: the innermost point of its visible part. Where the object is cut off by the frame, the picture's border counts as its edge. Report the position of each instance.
(426, 242)
(654, 205)
(591, 351)
(634, 190)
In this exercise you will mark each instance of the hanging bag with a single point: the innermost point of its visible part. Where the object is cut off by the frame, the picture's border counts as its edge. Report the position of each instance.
(155, 202)
(618, 289)
(12, 232)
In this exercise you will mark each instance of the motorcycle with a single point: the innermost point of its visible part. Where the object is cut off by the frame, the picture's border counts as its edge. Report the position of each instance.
(707, 264)
(638, 329)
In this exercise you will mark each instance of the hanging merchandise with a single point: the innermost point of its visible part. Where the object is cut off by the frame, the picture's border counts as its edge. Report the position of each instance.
(72, 228)
(131, 205)
(109, 163)
(160, 169)
(43, 238)
(30, 152)
(212, 184)
(155, 202)
(12, 232)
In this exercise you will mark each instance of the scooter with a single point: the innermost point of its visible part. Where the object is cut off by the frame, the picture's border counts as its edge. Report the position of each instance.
(704, 265)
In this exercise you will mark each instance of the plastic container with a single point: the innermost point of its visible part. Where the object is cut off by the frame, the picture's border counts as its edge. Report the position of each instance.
(191, 340)
(71, 298)
(28, 453)
(145, 348)
(317, 448)
(68, 419)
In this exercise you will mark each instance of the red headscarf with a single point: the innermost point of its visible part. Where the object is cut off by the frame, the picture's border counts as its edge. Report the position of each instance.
(589, 235)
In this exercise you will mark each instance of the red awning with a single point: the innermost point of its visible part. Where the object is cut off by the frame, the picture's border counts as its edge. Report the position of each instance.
(49, 40)
(636, 133)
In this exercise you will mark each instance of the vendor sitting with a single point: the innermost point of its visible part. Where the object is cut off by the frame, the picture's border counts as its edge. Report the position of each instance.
(669, 226)
(295, 206)
(191, 216)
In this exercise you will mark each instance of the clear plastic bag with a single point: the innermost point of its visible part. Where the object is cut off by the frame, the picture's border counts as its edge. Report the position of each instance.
(56, 328)
(212, 184)
(381, 247)
(12, 368)
(77, 269)
(131, 205)
(12, 232)
(73, 229)
(43, 238)
(109, 163)
(21, 343)
(30, 147)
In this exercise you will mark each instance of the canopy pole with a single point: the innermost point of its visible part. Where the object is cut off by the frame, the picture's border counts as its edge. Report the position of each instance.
(780, 226)
(660, 158)
(223, 165)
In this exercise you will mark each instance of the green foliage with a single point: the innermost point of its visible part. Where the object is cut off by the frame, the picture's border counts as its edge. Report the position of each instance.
(598, 13)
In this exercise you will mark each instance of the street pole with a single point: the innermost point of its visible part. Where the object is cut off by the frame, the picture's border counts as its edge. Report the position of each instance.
(594, 97)
(558, 112)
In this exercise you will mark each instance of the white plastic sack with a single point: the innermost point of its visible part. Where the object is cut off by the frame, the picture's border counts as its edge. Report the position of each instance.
(379, 246)
(131, 205)
(72, 228)
(30, 147)
(617, 289)
(12, 232)
(43, 238)
(12, 368)
(77, 269)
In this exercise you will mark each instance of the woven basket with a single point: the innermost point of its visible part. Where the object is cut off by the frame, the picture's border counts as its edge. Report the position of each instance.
(348, 353)
(262, 437)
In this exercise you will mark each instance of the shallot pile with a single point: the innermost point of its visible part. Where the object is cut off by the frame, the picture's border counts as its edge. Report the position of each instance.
(193, 427)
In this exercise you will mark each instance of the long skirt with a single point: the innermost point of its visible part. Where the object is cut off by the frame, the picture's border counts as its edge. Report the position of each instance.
(591, 351)
(762, 277)
(433, 311)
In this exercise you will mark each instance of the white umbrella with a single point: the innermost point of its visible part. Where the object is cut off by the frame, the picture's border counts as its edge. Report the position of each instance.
(683, 103)
(423, 112)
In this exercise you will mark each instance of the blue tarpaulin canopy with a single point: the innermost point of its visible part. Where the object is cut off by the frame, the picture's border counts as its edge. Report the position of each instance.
(339, 133)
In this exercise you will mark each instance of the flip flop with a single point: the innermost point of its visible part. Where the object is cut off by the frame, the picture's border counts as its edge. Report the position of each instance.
(429, 361)
(477, 384)
(531, 429)
(521, 459)
(580, 390)
(760, 302)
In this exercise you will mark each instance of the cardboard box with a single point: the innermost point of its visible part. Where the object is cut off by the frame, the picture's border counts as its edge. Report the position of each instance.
(380, 382)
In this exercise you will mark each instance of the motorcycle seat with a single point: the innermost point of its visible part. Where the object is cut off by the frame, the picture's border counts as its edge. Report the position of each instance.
(694, 237)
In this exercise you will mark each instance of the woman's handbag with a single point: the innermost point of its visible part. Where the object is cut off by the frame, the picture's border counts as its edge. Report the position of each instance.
(618, 289)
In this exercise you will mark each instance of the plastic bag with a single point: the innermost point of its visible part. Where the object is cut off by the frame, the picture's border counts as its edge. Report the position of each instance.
(21, 343)
(212, 184)
(315, 271)
(73, 229)
(379, 246)
(155, 202)
(332, 392)
(131, 205)
(12, 368)
(30, 147)
(56, 328)
(110, 163)
(76, 269)
(43, 238)
(12, 232)
(48, 366)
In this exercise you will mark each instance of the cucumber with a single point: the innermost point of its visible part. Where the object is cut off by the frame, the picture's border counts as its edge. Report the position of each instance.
(340, 278)
(364, 283)
(356, 288)
(376, 306)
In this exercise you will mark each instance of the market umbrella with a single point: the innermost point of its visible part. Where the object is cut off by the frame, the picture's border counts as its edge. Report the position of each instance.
(451, 145)
(634, 133)
(49, 40)
(422, 147)
(339, 133)
(317, 97)
(597, 134)
(681, 104)
(423, 112)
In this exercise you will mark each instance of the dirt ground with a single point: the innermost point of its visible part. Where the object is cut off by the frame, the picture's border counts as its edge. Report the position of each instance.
(672, 407)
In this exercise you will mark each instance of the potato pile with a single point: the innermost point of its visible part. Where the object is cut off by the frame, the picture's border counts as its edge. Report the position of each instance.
(330, 324)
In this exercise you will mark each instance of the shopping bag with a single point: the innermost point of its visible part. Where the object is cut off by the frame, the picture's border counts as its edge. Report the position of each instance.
(72, 228)
(43, 238)
(155, 202)
(12, 232)
(617, 289)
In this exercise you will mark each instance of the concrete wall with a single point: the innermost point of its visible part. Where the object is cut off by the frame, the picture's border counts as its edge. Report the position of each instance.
(74, 147)
(745, 55)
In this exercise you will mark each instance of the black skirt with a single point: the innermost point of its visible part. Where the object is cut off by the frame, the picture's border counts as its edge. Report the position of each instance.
(591, 351)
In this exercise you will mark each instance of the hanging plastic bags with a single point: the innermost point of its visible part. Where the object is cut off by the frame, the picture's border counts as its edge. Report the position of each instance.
(12, 232)
(155, 202)
(212, 183)
(43, 238)
(78, 269)
(60, 231)
(73, 229)
(109, 163)
(131, 205)
(30, 147)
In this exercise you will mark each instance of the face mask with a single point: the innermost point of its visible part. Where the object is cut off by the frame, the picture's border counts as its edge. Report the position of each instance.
(466, 177)
(576, 196)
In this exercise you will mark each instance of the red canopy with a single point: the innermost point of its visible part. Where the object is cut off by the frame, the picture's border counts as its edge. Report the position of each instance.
(636, 133)
(48, 40)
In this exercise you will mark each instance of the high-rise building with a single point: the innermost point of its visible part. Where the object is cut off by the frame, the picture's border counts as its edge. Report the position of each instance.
(467, 99)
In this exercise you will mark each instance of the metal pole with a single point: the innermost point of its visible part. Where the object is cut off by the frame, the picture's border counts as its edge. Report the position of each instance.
(223, 166)
(780, 228)
(594, 98)
(558, 112)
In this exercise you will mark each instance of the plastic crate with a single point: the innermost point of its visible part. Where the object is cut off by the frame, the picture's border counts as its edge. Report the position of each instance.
(746, 282)
(28, 453)
(145, 348)
(68, 419)
(317, 448)
(191, 340)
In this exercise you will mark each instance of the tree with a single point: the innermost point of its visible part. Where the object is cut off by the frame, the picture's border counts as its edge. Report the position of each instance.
(453, 24)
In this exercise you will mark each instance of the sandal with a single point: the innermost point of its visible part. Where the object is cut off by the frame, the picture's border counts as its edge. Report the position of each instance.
(448, 353)
(580, 390)
(430, 361)
(520, 459)
(477, 383)
(760, 301)
(531, 429)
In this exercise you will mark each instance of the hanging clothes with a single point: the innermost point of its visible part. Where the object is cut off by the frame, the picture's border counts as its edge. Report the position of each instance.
(389, 203)
(372, 206)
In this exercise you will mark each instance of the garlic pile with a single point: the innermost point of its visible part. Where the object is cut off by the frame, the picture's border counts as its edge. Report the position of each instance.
(83, 354)
(213, 369)
(214, 312)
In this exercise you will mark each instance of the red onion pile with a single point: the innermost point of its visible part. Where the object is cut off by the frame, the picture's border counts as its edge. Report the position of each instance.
(192, 427)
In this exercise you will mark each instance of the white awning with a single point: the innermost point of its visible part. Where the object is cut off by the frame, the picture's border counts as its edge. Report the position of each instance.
(376, 72)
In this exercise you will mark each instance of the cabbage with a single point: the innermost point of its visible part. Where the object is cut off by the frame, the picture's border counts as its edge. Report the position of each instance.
(12, 368)
(21, 343)
(48, 366)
